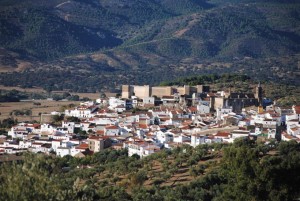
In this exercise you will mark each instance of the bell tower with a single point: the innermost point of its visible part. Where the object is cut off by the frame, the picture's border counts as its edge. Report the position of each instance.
(259, 94)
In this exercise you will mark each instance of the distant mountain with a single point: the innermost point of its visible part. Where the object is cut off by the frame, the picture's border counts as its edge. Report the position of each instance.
(144, 40)
(49, 30)
(40, 33)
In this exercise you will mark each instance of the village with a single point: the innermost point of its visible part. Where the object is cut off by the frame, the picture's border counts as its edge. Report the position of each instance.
(145, 120)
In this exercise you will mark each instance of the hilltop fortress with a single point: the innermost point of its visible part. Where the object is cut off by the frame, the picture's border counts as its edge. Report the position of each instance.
(196, 94)
(161, 91)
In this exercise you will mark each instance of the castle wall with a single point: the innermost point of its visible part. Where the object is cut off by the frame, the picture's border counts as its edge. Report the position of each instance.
(219, 102)
(161, 91)
(238, 104)
(141, 91)
(185, 90)
(200, 89)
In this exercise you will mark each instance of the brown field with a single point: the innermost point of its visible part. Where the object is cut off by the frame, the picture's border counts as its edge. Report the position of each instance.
(93, 96)
(45, 107)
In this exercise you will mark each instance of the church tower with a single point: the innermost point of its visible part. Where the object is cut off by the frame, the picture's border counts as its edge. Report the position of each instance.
(259, 94)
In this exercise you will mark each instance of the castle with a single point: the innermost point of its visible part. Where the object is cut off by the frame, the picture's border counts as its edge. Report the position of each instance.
(235, 100)
(160, 91)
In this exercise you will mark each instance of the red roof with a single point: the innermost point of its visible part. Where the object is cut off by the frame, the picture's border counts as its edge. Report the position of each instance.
(222, 134)
(100, 132)
(92, 137)
(294, 129)
(185, 127)
(111, 127)
(83, 146)
(288, 136)
(37, 143)
(297, 109)
(193, 109)
(143, 126)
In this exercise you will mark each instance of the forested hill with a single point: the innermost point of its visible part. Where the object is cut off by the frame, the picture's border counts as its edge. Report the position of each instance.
(53, 29)
(141, 40)
(244, 170)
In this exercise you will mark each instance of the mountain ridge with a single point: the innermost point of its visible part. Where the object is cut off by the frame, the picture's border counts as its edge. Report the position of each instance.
(148, 38)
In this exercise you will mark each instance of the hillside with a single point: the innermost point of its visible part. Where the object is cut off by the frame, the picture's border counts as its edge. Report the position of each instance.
(49, 30)
(244, 170)
(143, 41)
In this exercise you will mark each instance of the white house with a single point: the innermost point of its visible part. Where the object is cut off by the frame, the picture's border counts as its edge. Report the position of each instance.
(23, 144)
(223, 136)
(70, 126)
(115, 102)
(18, 132)
(80, 148)
(55, 144)
(63, 151)
(82, 111)
(240, 133)
(271, 133)
(293, 129)
(47, 128)
(197, 140)
(120, 108)
(85, 126)
(111, 130)
(102, 101)
(142, 149)
(148, 101)
(181, 138)
(164, 137)
(244, 123)
(203, 109)
(296, 110)
(223, 111)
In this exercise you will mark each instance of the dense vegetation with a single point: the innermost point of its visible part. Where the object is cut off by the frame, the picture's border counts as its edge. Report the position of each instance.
(12, 96)
(16, 96)
(246, 171)
(207, 79)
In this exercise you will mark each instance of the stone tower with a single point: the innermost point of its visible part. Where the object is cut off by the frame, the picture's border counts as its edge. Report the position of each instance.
(127, 91)
(259, 94)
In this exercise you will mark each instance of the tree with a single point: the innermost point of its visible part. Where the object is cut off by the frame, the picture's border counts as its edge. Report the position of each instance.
(8, 123)
(137, 179)
(57, 118)
(73, 119)
(73, 98)
(83, 133)
(85, 99)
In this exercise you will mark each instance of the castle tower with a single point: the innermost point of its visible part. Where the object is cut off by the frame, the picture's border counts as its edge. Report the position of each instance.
(126, 91)
(259, 94)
